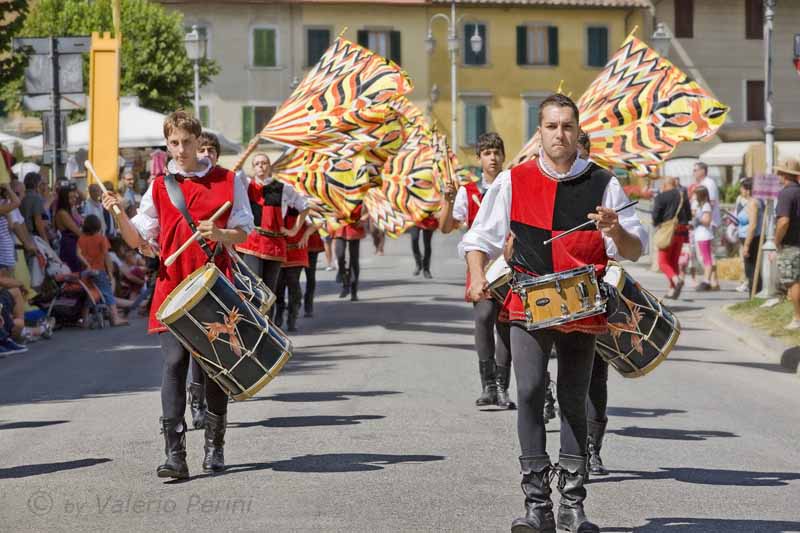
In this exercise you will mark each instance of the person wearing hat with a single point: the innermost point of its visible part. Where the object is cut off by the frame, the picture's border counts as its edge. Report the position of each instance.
(787, 234)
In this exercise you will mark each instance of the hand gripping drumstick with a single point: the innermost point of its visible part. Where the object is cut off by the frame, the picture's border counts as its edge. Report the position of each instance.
(588, 223)
(171, 259)
(90, 168)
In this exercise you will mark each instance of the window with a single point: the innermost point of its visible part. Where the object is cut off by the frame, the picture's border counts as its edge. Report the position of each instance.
(754, 19)
(385, 43)
(475, 123)
(532, 116)
(597, 46)
(755, 101)
(205, 116)
(254, 118)
(537, 45)
(265, 47)
(684, 19)
(317, 41)
(470, 57)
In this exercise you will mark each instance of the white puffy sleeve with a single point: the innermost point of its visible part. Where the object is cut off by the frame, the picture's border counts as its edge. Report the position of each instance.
(460, 209)
(241, 213)
(146, 219)
(614, 198)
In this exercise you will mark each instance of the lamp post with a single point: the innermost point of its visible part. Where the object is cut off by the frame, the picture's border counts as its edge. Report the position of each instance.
(195, 51)
(476, 45)
(661, 41)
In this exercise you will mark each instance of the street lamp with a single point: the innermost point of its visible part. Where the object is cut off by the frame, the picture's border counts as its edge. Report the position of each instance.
(475, 44)
(662, 40)
(195, 51)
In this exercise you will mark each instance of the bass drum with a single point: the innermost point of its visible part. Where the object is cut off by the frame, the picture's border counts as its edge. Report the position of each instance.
(237, 346)
(642, 331)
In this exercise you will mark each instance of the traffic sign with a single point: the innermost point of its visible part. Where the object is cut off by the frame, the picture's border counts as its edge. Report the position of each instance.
(39, 74)
(766, 187)
(64, 45)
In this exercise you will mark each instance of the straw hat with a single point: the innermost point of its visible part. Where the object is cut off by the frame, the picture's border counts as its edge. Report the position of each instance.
(788, 166)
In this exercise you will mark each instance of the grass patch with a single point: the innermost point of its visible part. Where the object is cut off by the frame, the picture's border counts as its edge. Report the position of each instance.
(770, 320)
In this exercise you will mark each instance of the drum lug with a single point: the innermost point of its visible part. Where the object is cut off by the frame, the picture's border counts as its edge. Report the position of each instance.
(528, 315)
(564, 309)
(583, 292)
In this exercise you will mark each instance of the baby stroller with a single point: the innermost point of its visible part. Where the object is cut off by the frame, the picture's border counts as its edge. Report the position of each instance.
(64, 294)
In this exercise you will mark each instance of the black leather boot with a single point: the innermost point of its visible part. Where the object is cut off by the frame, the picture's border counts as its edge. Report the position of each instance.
(345, 284)
(502, 379)
(308, 305)
(174, 430)
(489, 385)
(594, 442)
(280, 309)
(214, 460)
(536, 471)
(291, 318)
(549, 401)
(571, 477)
(197, 401)
(354, 291)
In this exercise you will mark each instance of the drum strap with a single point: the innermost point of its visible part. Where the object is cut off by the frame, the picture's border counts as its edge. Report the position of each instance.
(176, 197)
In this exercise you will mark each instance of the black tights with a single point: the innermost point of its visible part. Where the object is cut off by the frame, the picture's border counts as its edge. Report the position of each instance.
(173, 381)
(598, 391)
(311, 281)
(486, 324)
(423, 261)
(353, 248)
(289, 278)
(531, 351)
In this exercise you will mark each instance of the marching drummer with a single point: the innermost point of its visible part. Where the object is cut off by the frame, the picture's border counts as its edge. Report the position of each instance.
(538, 200)
(459, 208)
(205, 188)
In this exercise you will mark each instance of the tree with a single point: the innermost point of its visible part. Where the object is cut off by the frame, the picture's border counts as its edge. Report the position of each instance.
(11, 65)
(154, 65)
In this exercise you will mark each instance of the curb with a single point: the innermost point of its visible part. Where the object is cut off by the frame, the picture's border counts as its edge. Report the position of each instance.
(772, 349)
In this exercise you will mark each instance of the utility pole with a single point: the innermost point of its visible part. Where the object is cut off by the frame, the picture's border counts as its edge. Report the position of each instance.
(768, 268)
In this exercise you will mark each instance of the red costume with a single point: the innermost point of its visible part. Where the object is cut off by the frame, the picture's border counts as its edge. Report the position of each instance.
(295, 255)
(266, 241)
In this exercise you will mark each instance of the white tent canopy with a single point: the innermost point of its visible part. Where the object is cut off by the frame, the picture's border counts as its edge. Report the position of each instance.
(9, 140)
(726, 153)
(138, 128)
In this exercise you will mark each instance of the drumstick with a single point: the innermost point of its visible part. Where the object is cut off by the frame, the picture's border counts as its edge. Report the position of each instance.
(90, 168)
(171, 259)
(588, 223)
(476, 200)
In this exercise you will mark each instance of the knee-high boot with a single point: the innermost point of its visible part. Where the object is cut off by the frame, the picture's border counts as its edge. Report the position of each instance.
(571, 478)
(197, 401)
(214, 460)
(503, 379)
(174, 430)
(536, 471)
(596, 431)
(488, 384)
(345, 284)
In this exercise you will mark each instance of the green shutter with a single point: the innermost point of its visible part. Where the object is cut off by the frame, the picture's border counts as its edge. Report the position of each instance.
(598, 47)
(552, 45)
(363, 38)
(481, 121)
(522, 45)
(533, 119)
(470, 135)
(247, 124)
(264, 50)
(394, 46)
(316, 43)
(204, 116)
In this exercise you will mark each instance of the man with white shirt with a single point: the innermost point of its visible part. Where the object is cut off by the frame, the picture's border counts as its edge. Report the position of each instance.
(459, 208)
(205, 188)
(537, 200)
(701, 177)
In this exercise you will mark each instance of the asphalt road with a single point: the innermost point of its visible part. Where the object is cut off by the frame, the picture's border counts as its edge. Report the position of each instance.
(372, 427)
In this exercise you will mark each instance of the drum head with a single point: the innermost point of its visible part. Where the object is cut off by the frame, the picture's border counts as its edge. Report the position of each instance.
(497, 270)
(186, 295)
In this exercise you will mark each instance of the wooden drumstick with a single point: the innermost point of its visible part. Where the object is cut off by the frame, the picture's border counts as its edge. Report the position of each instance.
(90, 168)
(476, 200)
(171, 259)
(587, 223)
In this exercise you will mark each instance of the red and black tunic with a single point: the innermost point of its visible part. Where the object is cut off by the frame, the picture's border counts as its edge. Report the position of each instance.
(541, 208)
(354, 231)
(296, 256)
(315, 243)
(266, 241)
(203, 197)
(473, 191)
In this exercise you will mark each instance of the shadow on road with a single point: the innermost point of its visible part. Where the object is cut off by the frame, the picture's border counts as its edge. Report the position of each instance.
(708, 525)
(328, 396)
(670, 434)
(705, 476)
(638, 412)
(772, 367)
(31, 424)
(16, 472)
(307, 421)
(348, 462)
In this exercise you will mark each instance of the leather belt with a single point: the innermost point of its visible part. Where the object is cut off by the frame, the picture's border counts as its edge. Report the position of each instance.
(267, 233)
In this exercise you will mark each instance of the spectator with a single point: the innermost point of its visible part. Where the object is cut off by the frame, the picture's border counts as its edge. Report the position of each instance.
(8, 252)
(749, 215)
(94, 206)
(128, 190)
(33, 208)
(93, 249)
(672, 201)
(704, 236)
(787, 234)
(702, 179)
(68, 223)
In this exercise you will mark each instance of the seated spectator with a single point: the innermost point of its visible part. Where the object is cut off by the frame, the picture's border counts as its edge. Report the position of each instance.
(93, 250)
(68, 222)
(9, 202)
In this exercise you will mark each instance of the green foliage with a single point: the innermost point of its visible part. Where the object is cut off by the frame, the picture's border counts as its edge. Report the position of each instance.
(11, 21)
(729, 193)
(154, 65)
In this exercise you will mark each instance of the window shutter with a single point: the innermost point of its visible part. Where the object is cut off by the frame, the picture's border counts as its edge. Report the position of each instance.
(204, 116)
(754, 19)
(470, 122)
(247, 123)
(363, 38)
(394, 46)
(684, 19)
(270, 51)
(317, 41)
(522, 45)
(533, 119)
(552, 45)
(598, 47)
(480, 121)
(259, 47)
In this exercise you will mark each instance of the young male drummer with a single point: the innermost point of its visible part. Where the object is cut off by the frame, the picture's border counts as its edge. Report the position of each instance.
(205, 189)
(537, 200)
(459, 209)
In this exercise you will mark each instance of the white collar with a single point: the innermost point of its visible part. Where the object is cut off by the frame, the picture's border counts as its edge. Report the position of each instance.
(265, 182)
(578, 167)
(173, 168)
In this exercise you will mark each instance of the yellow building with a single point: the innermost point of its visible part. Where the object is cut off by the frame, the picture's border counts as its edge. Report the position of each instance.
(528, 47)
